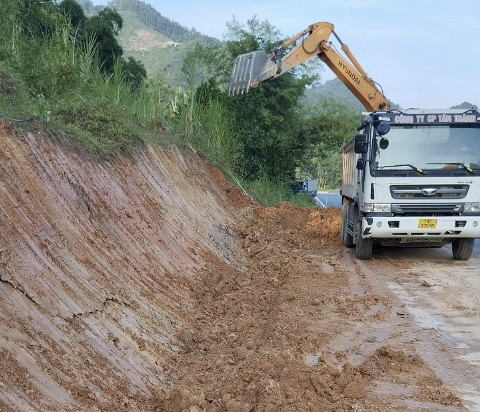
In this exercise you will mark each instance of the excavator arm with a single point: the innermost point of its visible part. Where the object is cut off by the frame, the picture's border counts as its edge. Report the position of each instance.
(252, 68)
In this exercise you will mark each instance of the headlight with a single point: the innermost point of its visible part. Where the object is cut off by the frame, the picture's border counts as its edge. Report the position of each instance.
(382, 207)
(377, 207)
(471, 208)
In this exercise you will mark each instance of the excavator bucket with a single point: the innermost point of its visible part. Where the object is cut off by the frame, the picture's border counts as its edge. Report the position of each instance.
(249, 70)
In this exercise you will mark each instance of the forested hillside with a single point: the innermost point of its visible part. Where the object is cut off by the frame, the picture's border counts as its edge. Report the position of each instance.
(332, 90)
(154, 20)
(162, 56)
(160, 43)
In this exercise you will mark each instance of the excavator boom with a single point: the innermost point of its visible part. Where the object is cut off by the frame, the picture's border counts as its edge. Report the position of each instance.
(252, 68)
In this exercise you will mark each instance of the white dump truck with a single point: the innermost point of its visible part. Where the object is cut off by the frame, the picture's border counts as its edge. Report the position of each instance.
(412, 178)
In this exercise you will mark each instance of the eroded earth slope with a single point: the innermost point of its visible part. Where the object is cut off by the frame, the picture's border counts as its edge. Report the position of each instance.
(97, 263)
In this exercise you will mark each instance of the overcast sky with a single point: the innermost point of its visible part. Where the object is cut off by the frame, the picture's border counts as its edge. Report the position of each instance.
(423, 53)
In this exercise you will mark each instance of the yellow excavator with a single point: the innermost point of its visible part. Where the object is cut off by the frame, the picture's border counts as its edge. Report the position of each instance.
(252, 68)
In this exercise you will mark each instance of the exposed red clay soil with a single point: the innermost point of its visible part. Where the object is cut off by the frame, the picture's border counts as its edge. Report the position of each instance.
(98, 262)
(150, 283)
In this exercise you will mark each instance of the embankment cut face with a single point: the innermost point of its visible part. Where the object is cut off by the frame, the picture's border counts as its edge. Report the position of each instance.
(97, 263)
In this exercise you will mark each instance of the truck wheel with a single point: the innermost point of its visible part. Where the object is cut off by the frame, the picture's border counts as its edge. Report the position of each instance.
(347, 238)
(363, 247)
(462, 248)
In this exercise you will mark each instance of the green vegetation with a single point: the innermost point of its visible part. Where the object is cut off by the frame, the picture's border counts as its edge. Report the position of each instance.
(327, 128)
(161, 44)
(274, 138)
(164, 62)
(264, 123)
(153, 19)
(269, 193)
(68, 70)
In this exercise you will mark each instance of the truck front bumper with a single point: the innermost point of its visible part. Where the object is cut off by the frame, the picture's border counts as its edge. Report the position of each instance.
(408, 227)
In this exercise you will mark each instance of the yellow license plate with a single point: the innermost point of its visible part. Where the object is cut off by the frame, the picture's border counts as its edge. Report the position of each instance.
(427, 223)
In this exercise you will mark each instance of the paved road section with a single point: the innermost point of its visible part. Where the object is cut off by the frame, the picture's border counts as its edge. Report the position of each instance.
(329, 199)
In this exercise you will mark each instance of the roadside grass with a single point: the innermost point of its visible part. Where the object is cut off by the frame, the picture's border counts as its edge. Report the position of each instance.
(266, 192)
(59, 82)
(303, 200)
(15, 101)
(269, 193)
(205, 126)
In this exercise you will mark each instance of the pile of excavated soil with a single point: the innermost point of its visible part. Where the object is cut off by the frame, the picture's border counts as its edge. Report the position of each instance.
(150, 283)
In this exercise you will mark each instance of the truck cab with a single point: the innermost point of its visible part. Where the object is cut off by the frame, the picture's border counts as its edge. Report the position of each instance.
(412, 178)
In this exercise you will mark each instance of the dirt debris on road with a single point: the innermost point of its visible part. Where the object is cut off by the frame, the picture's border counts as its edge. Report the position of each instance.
(262, 332)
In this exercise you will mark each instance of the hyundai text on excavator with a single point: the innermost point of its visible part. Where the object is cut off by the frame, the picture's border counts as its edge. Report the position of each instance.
(412, 177)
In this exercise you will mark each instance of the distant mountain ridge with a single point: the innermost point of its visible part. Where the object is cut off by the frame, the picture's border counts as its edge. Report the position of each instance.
(465, 105)
(336, 90)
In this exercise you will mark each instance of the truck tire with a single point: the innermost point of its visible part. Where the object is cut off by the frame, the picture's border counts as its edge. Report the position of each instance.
(363, 247)
(462, 248)
(347, 238)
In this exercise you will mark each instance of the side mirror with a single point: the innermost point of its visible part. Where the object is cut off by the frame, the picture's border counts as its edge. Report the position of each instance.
(361, 164)
(361, 143)
(362, 126)
(383, 128)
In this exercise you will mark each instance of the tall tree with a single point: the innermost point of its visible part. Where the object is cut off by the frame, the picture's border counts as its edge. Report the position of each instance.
(326, 128)
(74, 12)
(104, 28)
(266, 119)
(134, 72)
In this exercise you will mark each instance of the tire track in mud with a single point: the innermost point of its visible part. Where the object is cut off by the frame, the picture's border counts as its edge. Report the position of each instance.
(425, 284)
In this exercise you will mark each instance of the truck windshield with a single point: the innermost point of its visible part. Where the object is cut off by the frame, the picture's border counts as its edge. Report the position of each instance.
(428, 147)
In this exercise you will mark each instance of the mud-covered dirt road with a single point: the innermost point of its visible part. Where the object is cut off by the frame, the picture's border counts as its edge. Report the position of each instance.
(442, 300)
